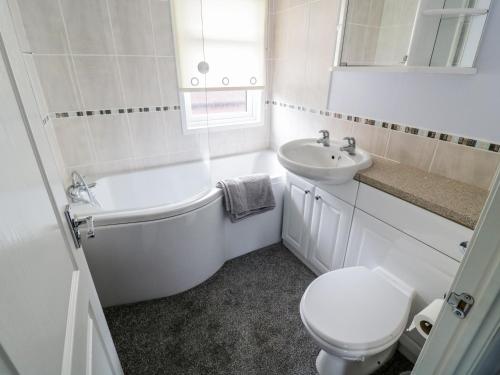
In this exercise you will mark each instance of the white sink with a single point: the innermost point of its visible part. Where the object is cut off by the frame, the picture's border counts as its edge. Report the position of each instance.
(307, 158)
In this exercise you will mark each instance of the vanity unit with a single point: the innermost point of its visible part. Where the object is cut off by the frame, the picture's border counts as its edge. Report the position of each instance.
(318, 220)
(353, 224)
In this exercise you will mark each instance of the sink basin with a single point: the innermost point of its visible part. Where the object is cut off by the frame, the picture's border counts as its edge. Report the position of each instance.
(307, 158)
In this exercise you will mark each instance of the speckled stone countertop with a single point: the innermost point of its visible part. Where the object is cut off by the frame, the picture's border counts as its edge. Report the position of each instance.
(451, 199)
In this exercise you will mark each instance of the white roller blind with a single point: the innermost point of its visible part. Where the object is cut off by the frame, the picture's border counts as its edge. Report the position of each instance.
(228, 34)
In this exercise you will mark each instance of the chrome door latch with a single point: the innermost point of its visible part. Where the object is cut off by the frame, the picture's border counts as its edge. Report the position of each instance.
(460, 304)
(74, 226)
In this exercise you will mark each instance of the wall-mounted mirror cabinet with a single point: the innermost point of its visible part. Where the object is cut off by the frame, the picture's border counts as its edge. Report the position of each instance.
(442, 34)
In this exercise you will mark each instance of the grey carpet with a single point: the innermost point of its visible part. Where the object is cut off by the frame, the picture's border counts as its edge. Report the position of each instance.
(242, 321)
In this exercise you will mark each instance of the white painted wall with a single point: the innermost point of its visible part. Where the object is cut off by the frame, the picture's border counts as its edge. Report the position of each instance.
(466, 105)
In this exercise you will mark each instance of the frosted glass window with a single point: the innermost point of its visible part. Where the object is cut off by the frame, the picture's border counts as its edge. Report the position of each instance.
(229, 35)
(214, 102)
(221, 109)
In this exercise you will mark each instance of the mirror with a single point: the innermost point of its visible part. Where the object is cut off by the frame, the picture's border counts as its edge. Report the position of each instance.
(410, 33)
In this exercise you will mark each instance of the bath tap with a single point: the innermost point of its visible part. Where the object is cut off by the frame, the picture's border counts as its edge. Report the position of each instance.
(325, 138)
(77, 189)
(351, 146)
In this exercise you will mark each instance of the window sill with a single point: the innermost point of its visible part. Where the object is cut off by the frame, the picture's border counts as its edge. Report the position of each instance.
(221, 128)
(406, 69)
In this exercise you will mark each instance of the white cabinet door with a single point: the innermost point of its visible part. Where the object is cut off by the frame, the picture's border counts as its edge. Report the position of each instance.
(297, 212)
(331, 220)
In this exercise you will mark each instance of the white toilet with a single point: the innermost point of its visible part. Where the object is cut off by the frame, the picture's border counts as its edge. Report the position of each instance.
(356, 315)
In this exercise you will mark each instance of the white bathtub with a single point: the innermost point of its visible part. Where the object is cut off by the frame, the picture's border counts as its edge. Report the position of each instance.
(159, 232)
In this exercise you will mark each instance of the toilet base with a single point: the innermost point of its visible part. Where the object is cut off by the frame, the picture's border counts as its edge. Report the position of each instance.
(328, 364)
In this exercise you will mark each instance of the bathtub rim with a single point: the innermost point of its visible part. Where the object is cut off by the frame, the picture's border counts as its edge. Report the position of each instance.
(139, 215)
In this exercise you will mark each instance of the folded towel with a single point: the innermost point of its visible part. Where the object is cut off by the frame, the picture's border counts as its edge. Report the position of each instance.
(247, 196)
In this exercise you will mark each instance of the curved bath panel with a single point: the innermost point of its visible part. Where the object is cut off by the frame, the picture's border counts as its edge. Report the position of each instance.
(147, 260)
(166, 248)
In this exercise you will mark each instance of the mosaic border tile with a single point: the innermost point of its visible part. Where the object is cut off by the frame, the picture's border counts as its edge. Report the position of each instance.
(105, 112)
(444, 137)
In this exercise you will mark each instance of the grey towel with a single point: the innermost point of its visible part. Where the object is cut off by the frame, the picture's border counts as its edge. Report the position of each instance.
(247, 196)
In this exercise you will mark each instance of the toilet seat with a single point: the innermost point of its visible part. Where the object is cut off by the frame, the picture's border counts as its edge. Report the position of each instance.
(355, 312)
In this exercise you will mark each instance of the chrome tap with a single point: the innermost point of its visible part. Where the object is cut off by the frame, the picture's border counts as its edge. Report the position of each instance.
(351, 146)
(325, 138)
(79, 190)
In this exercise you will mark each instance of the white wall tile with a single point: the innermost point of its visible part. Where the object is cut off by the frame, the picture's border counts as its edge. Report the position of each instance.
(320, 55)
(284, 5)
(88, 26)
(280, 36)
(168, 80)
(296, 58)
(226, 143)
(140, 81)
(57, 82)
(371, 138)
(73, 140)
(410, 149)
(131, 20)
(176, 140)
(162, 27)
(93, 171)
(466, 164)
(36, 83)
(148, 134)
(110, 137)
(341, 129)
(44, 26)
(255, 138)
(54, 147)
(153, 161)
(358, 11)
(124, 57)
(187, 156)
(99, 82)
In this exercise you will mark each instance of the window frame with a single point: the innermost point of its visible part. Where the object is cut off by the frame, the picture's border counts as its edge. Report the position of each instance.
(253, 117)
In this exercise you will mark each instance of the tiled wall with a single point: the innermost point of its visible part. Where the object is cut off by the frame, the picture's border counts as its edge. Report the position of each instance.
(304, 44)
(117, 56)
(106, 76)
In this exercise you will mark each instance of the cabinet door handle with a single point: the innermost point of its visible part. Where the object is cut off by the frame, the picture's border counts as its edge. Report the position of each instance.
(317, 197)
(463, 246)
(307, 191)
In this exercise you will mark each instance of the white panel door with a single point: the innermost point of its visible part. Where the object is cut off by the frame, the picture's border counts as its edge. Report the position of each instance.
(296, 214)
(51, 321)
(331, 220)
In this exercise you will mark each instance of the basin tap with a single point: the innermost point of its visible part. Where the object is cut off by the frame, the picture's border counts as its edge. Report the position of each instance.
(325, 138)
(351, 146)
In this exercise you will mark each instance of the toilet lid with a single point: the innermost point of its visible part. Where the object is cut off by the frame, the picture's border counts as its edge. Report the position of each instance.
(355, 308)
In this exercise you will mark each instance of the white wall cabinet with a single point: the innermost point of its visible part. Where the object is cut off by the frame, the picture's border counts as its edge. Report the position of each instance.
(329, 233)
